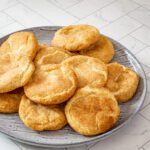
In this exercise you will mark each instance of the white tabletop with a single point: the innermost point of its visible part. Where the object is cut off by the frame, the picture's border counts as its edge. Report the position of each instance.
(127, 21)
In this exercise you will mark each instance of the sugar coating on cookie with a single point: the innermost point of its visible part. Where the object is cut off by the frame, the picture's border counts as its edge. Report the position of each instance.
(9, 102)
(92, 111)
(76, 37)
(102, 50)
(39, 117)
(122, 81)
(89, 71)
(50, 55)
(51, 84)
(16, 55)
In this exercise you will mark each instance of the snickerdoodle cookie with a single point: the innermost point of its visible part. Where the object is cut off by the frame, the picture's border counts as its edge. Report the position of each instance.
(122, 81)
(89, 71)
(92, 111)
(103, 50)
(9, 102)
(50, 55)
(76, 37)
(39, 117)
(51, 84)
(16, 55)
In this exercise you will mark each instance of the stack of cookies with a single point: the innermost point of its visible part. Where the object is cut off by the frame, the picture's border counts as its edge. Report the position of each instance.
(67, 82)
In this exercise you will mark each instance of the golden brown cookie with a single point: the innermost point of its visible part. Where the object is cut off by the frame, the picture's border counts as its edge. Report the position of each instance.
(51, 84)
(16, 55)
(76, 37)
(92, 111)
(50, 56)
(103, 50)
(9, 102)
(122, 81)
(39, 117)
(89, 71)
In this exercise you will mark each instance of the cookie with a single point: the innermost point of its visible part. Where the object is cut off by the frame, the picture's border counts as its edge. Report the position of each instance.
(16, 55)
(103, 50)
(9, 102)
(89, 71)
(92, 111)
(122, 81)
(39, 117)
(51, 85)
(50, 56)
(76, 37)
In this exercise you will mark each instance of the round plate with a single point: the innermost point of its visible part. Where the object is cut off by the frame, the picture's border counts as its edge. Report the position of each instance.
(12, 126)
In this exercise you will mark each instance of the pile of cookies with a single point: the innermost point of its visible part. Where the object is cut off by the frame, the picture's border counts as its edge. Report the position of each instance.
(70, 82)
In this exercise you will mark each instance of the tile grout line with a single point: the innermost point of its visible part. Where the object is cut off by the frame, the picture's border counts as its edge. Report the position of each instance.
(94, 10)
(143, 117)
(37, 13)
(141, 148)
(121, 17)
(144, 107)
(64, 10)
(130, 32)
(13, 19)
(138, 20)
(138, 40)
(145, 7)
(90, 146)
(17, 145)
(9, 6)
(146, 66)
(109, 22)
(144, 144)
(73, 4)
(136, 3)
(7, 26)
(145, 46)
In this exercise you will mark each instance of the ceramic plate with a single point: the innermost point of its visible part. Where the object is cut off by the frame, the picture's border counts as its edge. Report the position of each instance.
(11, 125)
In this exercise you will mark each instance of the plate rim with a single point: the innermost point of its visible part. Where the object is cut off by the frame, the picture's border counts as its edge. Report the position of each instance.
(98, 137)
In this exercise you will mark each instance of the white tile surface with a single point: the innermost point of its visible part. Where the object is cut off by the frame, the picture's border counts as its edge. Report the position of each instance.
(86, 7)
(147, 146)
(129, 138)
(78, 148)
(148, 82)
(29, 147)
(11, 28)
(95, 19)
(141, 149)
(125, 20)
(142, 15)
(26, 17)
(146, 68)
(117, 9)
(64, 3)
(50, 11)
(145, 3)
(7, 3)
(105, 16)
(146, 102)
(144, 56)
(145, 112)
(5, 19)
(121, 27)
(132, 44)
(142, 34)
(7, 144)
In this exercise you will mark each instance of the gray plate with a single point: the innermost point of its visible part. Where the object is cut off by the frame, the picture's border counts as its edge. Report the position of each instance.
(11, 125)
